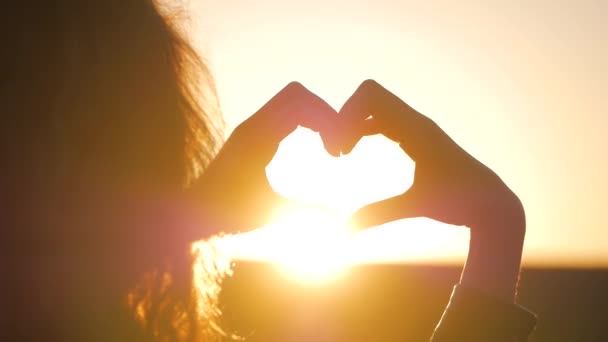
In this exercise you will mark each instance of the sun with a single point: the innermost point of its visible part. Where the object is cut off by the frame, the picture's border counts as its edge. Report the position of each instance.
(313, 245)
(308, 243)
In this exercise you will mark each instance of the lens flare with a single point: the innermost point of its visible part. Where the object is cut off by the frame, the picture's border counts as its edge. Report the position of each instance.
(313, 244)
(307, 243)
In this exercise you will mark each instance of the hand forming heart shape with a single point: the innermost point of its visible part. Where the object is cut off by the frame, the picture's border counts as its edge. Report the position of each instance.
(449, 184)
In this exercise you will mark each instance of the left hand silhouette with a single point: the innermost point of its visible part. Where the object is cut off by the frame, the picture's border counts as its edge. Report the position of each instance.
(236, 193)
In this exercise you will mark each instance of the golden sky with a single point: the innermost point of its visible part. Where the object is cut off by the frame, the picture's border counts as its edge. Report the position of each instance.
(521, 85)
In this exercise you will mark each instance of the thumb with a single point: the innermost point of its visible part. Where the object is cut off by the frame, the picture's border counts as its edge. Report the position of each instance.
(384, 211)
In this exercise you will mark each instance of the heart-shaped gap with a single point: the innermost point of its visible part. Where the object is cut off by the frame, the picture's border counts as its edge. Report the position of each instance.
(377, 168)
(314, 246)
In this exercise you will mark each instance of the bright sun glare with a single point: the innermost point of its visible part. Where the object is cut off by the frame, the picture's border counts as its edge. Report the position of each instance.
(307, 243)
(314, 244)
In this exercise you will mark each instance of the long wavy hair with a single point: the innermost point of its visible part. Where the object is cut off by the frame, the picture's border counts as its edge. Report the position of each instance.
(99, 96)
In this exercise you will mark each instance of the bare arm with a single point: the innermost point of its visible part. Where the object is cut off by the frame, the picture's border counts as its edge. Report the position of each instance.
(449, 186)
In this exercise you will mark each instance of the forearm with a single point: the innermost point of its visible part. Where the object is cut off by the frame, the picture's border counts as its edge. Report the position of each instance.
(482, 306)
(494, 260)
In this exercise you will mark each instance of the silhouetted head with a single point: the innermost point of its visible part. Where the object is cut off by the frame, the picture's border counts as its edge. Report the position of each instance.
(96, 96)
(107, 89)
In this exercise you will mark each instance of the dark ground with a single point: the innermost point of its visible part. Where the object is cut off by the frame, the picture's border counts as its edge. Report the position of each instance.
(377, 303)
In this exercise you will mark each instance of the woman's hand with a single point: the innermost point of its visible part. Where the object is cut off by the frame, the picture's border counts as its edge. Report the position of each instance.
(449, 186)
(235, 191)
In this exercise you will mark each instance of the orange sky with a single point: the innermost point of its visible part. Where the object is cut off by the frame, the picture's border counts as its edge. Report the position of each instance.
(522, 85)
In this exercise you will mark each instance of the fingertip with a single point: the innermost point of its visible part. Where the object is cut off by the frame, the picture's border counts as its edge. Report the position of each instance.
(359, 221)
(348, 142)
(369, 83)
(347, 149)
(295, 86)
(330, 141)
(336, 150)
(381, 212)
(333, 151)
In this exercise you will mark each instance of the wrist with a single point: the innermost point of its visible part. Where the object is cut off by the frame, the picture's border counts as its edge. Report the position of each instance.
(494, 258)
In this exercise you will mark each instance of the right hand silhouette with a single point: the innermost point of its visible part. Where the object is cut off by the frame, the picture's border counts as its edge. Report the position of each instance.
(449, 184)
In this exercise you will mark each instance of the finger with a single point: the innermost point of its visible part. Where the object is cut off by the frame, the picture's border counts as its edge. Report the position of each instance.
(294, 106)
(366, 128)
(394, 118)
(388, 210)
